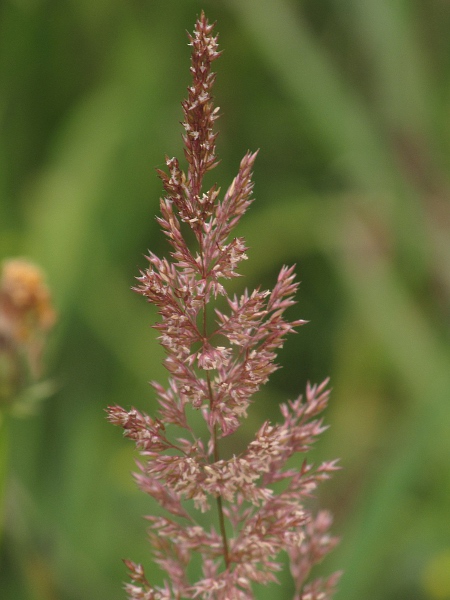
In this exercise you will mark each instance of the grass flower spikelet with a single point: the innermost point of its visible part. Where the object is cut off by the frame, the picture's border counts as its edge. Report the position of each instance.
(216, 367)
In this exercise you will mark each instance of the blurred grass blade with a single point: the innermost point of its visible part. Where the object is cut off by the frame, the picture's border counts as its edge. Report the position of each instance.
(324, 98)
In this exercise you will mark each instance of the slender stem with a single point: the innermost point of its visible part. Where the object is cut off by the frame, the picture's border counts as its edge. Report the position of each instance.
(226, 555)
(223, 531)
(4, 453)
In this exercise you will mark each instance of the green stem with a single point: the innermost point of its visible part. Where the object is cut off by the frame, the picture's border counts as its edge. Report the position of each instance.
(223, 531)
(4, 454)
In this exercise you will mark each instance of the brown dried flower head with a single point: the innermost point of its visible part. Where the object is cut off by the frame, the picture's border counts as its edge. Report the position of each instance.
(217, 360)
(26, 317)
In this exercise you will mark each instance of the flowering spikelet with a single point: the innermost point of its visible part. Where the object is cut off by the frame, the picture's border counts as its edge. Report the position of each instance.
(217, 369)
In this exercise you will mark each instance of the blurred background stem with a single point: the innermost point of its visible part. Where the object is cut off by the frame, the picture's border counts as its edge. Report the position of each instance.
(4, 458)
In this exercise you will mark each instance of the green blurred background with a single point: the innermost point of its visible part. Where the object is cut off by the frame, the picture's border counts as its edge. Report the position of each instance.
(348, 101)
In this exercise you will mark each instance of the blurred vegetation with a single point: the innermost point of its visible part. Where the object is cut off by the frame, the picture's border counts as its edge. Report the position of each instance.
(348, 101)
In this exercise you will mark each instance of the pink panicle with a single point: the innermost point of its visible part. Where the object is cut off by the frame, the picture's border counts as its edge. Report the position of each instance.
(219, 351)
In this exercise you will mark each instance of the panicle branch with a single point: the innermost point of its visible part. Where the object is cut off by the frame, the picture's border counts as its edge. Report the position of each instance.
(217, 359)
